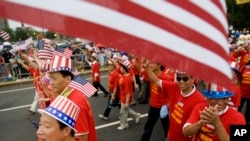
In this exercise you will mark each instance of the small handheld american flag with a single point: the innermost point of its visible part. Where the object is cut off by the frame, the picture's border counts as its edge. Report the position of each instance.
(82, 85)
(36, 125)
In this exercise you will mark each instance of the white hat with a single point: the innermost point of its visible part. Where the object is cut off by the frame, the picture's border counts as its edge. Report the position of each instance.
(64, 110)
(94, 55)
(124, 57)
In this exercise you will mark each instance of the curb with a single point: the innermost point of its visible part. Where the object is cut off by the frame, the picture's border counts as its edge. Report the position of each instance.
(31, 79)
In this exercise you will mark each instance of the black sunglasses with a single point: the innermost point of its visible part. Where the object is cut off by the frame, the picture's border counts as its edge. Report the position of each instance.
(185, 78)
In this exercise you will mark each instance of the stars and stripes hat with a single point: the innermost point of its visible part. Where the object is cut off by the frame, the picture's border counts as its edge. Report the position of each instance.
(62, 61)
(45, 65)
(82, 85)
(216, 91)
(64, 110)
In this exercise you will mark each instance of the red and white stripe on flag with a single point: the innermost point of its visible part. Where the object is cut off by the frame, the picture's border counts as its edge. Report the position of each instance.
(5, 35)
(87, 89)
(188, 35)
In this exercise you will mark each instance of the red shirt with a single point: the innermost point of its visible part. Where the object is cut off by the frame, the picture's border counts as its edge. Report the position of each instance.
(144, 75)
(245, 82)
(113, 81)
(95, 72)
(180, 107)
(134, 68)
(207, 132)
(85, 121)
(244, 57)
(157, 98)
(35, 74)
(125, 84)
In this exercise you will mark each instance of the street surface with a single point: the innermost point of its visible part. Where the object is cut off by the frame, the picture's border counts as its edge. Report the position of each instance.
(15, 100)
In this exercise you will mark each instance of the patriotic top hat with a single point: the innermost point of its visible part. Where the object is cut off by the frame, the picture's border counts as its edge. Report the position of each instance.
(45, 65)
(62, 61)
(215, 91)
(126, 64)
(64, 110)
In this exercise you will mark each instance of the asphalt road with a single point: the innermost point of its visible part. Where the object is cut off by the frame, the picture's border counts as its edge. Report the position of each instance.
(15, 100)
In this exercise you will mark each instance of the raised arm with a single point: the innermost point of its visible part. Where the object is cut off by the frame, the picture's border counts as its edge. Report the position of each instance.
(151, 75)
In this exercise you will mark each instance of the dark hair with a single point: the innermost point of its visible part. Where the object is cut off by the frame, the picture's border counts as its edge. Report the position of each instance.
(67, 73)
(62, 126)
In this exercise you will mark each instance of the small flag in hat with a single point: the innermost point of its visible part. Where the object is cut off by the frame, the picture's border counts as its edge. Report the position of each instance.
(64, 110)
(82, 85)
(4, 35)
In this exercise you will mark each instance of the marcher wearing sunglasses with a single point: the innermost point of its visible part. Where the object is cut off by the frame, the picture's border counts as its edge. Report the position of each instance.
(184, 78)
(182, 97)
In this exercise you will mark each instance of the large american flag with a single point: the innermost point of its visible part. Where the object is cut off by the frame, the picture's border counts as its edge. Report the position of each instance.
(188, 35)
(82, 85)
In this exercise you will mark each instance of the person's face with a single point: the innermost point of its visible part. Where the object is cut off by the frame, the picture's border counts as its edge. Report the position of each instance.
(49, 129)
(122, 70)
(58, 82)
(221, 102)
(155, 66)
(111, 67)
(185, 82)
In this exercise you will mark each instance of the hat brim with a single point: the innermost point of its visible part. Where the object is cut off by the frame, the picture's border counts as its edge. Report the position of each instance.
(215, 94)
(41, 111)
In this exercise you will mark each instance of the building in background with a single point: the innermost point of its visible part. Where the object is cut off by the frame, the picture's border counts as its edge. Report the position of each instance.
(3, 23)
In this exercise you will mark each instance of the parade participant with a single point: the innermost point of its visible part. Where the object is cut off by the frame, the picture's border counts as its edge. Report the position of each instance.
(96, 75)
(157, 101)
(243, 52)
(234, 101)
(53, 126)
(144, 94)
(61, 77)
(126, 95)
(182, 97)
(113, 83)
(212, 120)
(33, 68)
(245, 90)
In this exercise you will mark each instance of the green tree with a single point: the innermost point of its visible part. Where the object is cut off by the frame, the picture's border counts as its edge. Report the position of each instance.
(238, 15)
(50, 34)
(21, 34)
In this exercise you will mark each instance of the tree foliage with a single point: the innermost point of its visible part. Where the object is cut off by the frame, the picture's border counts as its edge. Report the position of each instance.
(238, 15)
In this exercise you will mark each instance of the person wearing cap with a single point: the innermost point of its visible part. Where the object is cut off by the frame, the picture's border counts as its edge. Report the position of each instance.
(113, 84)
(57, 122)
(96, 75)
(212, 120)
(245, 90)
(61, 75)
(158, 101)
(126, 95)
(182, 97)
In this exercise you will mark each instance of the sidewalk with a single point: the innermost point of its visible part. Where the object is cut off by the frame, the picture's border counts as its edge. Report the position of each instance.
(22, 81)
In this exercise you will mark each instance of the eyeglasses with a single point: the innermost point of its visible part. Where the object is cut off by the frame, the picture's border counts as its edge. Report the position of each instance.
(185, 78)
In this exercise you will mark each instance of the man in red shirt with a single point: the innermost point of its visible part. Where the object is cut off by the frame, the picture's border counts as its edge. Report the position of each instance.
(182, 97)
(157, 101)
(212, 120)
(60, 77)
(96, 75)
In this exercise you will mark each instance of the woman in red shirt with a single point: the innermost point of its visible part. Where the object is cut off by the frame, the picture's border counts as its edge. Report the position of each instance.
(126, 94)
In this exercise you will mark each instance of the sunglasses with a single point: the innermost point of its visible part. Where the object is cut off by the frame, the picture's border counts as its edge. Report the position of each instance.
(185, 78)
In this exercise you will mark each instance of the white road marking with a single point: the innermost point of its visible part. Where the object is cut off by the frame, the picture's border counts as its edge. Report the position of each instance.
(14, 108)
(116, 122)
